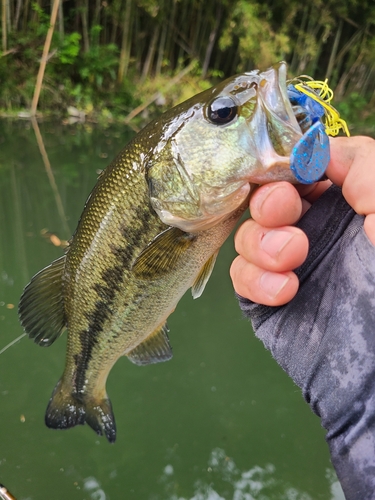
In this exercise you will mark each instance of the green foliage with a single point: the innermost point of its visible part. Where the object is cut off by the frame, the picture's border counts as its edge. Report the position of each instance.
(156, 39)
(353, 107)
(98, 64)
(69, 48)
(248, 27)
(43, 17)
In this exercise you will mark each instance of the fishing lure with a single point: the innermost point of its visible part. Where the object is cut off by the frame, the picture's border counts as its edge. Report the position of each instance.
(311, 155)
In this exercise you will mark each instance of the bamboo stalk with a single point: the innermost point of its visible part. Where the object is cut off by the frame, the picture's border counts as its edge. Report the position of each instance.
(171, 31)
(25, 14)
(43, 61)
(211, 42)
(17, 15)
(97, 12)
(150, 55)
(85, 29)
(125, 44)
(4, 24)
(161, 49)
(196, 30)
(335, 46)
(61, 21)
(349, 44)
(9, 12)
(294, 63)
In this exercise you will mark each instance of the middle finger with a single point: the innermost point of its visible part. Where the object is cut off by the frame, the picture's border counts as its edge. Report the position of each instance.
(281, 249)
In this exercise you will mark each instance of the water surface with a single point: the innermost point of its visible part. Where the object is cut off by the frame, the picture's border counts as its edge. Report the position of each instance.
(219, 421)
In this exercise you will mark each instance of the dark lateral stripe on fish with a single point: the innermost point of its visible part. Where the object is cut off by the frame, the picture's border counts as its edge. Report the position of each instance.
(111, 280)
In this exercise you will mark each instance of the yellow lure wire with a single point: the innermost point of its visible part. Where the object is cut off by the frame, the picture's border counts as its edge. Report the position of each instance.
(333, 123)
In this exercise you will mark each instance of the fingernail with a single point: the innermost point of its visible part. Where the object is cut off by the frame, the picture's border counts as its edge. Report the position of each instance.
(274, 241)
(262, 196)
(273, 283)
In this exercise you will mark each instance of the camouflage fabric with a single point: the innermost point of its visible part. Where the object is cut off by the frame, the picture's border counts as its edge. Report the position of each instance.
(325, 337)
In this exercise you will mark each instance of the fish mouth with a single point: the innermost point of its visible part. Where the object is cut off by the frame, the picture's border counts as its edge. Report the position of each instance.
(303, 117)
(290, 146)
(275, 127)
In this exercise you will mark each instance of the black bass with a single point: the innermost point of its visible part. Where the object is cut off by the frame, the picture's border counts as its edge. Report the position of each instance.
(151, 229)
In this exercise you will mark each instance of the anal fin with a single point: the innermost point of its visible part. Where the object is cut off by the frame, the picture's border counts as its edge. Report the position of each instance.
(203, 276)
(154, 349)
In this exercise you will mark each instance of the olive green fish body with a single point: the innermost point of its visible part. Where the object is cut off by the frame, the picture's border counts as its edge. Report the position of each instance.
(110, 308)
(151, 229)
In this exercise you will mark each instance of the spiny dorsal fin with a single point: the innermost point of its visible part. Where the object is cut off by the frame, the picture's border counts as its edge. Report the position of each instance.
(162, 254)
(41, 307)
(154, 349)
(203, 276)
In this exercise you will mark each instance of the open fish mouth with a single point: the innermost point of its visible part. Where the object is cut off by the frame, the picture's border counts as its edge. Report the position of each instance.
(303, 117)
(299, 120)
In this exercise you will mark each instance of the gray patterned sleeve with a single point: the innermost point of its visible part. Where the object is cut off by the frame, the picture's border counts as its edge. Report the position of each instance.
(325, 337)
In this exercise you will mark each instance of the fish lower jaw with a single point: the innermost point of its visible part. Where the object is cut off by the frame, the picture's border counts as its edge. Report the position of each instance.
(213, 210)
(273, 173)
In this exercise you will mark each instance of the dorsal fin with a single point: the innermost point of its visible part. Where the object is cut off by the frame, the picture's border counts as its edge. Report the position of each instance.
(203, 276)
(154, 349)
(41, 307)
(162, 254)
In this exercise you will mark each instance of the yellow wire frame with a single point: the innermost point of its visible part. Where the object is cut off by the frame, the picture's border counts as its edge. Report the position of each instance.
(333, 122)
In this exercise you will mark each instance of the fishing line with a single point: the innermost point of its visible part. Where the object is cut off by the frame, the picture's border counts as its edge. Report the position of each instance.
(11, 343)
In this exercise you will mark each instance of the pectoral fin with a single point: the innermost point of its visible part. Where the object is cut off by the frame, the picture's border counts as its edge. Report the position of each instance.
(154, 349)
(162, 254)
(203, 276)
(41, 308)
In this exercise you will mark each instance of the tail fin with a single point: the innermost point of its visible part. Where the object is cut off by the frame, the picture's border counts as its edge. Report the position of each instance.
(65, 410)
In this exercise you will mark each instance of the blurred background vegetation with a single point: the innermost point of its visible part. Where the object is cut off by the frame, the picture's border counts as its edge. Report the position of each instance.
(109, 56)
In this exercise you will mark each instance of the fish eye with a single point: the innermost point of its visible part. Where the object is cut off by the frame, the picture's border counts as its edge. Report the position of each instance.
(222, 110)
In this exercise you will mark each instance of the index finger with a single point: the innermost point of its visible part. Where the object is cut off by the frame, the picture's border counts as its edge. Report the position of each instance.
(352, 166)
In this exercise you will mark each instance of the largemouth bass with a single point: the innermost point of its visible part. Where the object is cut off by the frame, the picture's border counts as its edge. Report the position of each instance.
(150, 230)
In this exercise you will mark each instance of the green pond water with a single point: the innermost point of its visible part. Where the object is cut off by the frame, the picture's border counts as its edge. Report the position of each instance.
(220, 420)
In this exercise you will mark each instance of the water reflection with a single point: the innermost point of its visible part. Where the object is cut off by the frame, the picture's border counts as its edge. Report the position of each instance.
(92, 486)
(222, 391)
(257, 483)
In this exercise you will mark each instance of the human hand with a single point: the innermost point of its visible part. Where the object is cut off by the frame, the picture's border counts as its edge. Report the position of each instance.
(269, 245)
